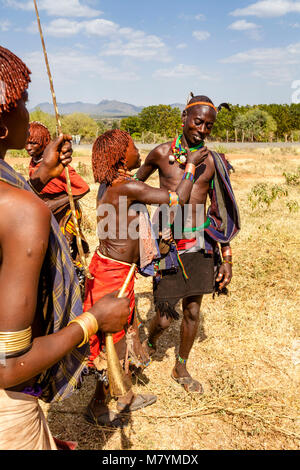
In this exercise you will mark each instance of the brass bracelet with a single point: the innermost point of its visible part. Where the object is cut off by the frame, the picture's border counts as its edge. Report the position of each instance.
(89, 325)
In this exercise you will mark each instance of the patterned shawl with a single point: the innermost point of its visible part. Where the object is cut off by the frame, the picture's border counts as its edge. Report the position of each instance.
(59, 301)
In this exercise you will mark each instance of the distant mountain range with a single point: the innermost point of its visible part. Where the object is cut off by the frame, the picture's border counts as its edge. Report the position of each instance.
(106, 108)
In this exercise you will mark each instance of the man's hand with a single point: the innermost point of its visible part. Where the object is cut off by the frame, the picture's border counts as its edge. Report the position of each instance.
(224, 275)
(111, 313)
(196, 157)
(56, 156)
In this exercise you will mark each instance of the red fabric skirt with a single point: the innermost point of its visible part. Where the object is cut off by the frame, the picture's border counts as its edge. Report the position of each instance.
(109, 276)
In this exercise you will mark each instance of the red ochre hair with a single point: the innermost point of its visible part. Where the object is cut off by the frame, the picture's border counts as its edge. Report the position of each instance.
(14, 79)
(108, 155)
(39, 134)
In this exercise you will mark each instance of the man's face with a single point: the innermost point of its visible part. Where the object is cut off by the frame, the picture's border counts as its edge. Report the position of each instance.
(34, 149)
(198, 123)
(133, 158)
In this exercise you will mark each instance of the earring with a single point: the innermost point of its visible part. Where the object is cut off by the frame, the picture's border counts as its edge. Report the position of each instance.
(3, 132)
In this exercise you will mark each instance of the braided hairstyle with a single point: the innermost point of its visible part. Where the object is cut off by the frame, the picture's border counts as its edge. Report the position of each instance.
(39, 134)
(108, 155)
(14, 80)
(205, 99)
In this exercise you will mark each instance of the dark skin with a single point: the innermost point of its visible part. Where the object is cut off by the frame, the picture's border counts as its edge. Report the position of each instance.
(22, 250)
(198, 122)
(127, 249)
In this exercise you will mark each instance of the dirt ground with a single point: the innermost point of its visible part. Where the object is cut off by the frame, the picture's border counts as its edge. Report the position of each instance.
(247, 351)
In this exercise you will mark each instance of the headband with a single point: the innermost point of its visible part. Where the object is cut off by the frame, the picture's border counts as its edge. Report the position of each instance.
(202, 103)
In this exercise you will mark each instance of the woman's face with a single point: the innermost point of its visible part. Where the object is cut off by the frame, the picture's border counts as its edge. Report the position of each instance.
(16, 122)
(133, 159)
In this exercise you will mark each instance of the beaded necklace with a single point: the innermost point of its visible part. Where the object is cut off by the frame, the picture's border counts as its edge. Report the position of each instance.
(179, 152)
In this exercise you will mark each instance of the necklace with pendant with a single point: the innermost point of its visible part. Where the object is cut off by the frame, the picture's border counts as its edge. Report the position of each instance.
(179, 152)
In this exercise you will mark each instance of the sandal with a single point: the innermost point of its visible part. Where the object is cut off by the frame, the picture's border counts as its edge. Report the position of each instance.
(138, 402)
(108, 419)
(189, 384)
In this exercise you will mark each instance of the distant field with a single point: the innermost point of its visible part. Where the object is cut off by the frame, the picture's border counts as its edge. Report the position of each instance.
(247, 351)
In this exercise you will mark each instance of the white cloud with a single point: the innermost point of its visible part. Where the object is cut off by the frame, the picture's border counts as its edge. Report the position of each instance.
(5, 25)
(186, 17)
(68, 65)
(242, 25)
(125, 42)
(60, 8)
(64, 27)
(201, 35)
(252, 30)
(277, 55)
(276, 65)
(182, 45)
(268, 9)
(182, 71)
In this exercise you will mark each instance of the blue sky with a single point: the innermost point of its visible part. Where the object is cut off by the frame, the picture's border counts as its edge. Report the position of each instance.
(151, 52)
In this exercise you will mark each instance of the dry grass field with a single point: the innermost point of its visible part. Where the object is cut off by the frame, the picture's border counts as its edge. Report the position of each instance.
(247, 351)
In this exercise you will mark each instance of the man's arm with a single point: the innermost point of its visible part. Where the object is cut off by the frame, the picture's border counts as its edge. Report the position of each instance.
(149, 166)
(141, 192)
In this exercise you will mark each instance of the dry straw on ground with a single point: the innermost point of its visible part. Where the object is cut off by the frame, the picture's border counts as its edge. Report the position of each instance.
(246, 353)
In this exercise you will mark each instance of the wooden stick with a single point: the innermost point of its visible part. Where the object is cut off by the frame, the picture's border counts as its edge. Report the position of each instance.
(119, 384)
(59, 131)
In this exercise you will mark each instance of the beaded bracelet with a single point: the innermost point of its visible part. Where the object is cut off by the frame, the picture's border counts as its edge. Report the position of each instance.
(173, 199)
(228, 262)
(181, 360)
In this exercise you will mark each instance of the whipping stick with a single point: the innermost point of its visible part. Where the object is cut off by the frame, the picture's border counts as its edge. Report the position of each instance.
(59, 131)
(119, 384)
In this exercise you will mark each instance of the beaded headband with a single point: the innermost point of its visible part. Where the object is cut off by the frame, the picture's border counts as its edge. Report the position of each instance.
(202, 103)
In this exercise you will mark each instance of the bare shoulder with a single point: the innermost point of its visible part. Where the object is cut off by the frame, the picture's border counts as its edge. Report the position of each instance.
(23, 211)
(162, 150)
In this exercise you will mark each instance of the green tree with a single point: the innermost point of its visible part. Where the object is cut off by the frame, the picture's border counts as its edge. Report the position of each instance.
(256, 124)
(47, 119)
(80, 124)
(131, 124)
(161, 119)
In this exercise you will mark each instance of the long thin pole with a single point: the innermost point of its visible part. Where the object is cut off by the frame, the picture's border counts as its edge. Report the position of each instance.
(59, 131)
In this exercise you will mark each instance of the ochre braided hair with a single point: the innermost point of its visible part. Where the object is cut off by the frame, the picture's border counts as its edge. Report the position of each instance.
(108, 155)
(39, 134)
(14, 79)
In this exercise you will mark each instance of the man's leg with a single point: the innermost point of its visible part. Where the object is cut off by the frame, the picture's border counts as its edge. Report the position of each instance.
(157, 326)
(188, 331)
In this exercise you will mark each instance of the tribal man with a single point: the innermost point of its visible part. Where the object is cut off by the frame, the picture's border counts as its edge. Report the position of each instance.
(114, 155)
(199, 255)
(55, 193)
(43, 333)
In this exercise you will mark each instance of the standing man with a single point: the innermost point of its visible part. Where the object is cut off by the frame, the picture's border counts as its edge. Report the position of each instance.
(55, 193)
(200, 257)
